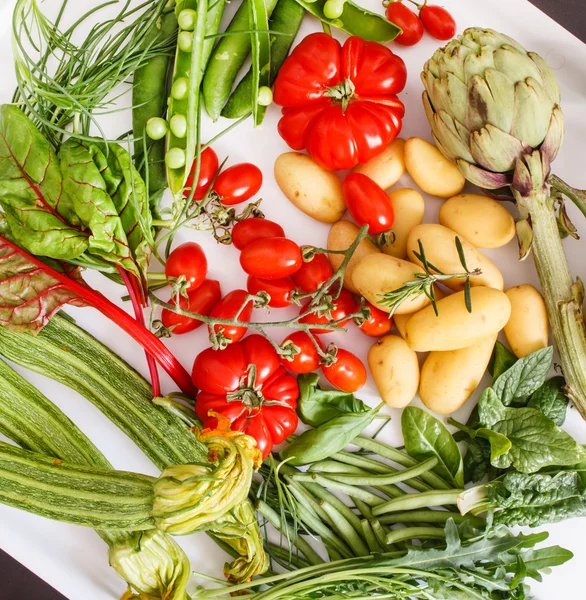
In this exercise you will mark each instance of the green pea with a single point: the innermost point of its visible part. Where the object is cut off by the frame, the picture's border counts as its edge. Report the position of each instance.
(156, 128)
(185, 41)
(333, 9)
(175, 158)
(180, 88)
(265, 95)
(187, 19)
(178, 125)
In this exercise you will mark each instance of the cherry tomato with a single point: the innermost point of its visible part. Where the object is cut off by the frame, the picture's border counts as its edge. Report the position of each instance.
(227, 308)
(438, 22)
(208, 168)
(368, 203)
(278, 289)
(250, 230)
(347, 373)
(379, 323)
(308, 358)
(190, 261)
(408, 21)
(313, 274)
(238, 183)
(344, 305)
(201, 301)
(271, 258)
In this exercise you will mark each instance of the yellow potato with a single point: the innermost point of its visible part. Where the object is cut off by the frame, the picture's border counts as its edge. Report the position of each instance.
(378, 274)
(484, 222)
(439, 244)
(528, 327)
(455, 327)
(395, 369)
(408, 206)
(386, 168)
(401, 320)
(448, 379)
(313, 190)
(431, 170)
(341, 236)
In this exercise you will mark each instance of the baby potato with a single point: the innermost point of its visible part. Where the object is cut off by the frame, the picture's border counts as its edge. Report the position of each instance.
(401, 320)
(439, 244)
(377, 274)
(395, 370)
(313, 190)
(386, 168)
(528, 327)
(431, 170)
(341, 236)
(454, 327)
(484, 222)
(408, 206)
(448, 379)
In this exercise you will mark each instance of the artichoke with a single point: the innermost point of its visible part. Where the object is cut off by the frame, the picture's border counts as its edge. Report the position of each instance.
(494, 110)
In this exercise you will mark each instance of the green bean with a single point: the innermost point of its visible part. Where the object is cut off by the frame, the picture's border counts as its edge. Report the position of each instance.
(381, 533)
(351, 490)
(227, 59)
(363, 508)
(426, 516)
(415, 501)
(286, 556)
(333, 553)
(346, 530)
(368, 535)
(286, 19)
(412, 533)
(309, 499)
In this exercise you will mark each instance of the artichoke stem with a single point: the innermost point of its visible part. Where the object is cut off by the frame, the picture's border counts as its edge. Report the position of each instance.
(578, 197)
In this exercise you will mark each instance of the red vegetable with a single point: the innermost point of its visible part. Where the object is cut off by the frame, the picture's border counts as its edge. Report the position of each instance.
(227, 308)
(339, 103)
(408, 21)
(238, 183)
(247, 384)
(347, 373)
(271, 258)
(253, 229)
(200, 301)
(278, 289)
(438, 22)
(208, 168)
(313, 274)
(190, 261)
(308, 358)
(344, 305)
(379, 323)
(368, 203)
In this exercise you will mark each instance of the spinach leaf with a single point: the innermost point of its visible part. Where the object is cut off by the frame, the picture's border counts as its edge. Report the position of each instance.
(490, 408)
(524, 377)
(499, 444)
(426, 437)
(329, 438)
(502, 360)
(550, 400)
(476, 460)
(317, 406)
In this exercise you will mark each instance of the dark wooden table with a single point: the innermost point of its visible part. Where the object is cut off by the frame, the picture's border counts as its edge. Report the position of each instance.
(17, 582)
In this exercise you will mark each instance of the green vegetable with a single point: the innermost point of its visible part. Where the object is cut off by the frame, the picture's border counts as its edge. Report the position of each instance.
(260, 41)
(156, 128)
(502, 360)
(550, 400)
(425, 437)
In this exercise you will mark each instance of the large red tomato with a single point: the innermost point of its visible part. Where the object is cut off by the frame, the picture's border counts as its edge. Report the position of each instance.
(247, 384)
(339, 103)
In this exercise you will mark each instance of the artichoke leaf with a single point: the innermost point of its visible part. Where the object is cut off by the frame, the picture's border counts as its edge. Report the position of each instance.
(496, 150)
(456, 137)
(548, 78)
(554, 137)
(483, 178)
(490, 101)
(515, 64)
(533, 108)
(476, 64)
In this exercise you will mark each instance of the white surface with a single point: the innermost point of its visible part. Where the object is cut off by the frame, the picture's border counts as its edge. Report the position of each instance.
(73, 559)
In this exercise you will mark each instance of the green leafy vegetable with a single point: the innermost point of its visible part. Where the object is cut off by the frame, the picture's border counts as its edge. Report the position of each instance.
(476, 460)
(502, 360)
(550, 400)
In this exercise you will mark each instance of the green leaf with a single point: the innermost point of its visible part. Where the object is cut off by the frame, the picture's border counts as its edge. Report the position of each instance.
(550, 400)
(316, 406)
(476, 460)
(490, 408)
(499, 444)
(261, 55)
(524, 377)
(426, 437)
(502, 360)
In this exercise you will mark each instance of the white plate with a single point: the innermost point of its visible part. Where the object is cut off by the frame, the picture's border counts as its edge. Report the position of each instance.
(73, 559)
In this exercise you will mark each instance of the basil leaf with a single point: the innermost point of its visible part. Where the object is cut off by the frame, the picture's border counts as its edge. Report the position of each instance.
(550, 400)
(502, 360)
(316, 406)
(524, 377)
(426, 437)
(331, 437)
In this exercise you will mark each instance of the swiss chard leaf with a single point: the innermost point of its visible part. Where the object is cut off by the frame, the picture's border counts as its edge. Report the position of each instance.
(550, 400)
(502, 360)
(426, 437)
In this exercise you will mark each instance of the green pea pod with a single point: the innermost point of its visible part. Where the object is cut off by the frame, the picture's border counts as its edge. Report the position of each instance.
(261, 55)
(286, 19)
(355, 20)
(329, 438)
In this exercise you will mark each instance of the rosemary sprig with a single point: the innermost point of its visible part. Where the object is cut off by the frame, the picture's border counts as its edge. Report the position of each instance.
(424, 282)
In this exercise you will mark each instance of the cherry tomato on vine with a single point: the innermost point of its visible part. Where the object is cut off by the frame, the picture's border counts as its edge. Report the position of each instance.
(238, 183)
(313, 274)
(278, 289)
(438, 22)
(368, 203)
(308, 358)
(250, 230)
(208, 168)
(344, 305)
(227, 308)
(190, 261)
(379, 323)
(201, 301)
(347, 373)
(408, 21)
(271, 258)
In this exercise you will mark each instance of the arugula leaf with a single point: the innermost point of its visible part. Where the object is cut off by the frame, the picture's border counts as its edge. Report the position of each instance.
(524, 377)
(317, 406)
(550, 400)
(502, 360)
(426, 437)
